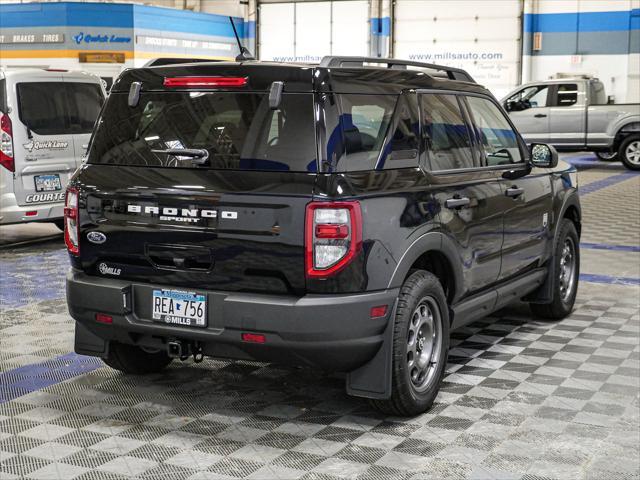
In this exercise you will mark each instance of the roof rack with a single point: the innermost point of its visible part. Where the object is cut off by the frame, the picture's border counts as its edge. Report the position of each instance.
(451, 72)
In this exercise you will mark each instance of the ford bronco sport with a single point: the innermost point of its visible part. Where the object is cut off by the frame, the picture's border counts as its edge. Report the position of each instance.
(344, 216)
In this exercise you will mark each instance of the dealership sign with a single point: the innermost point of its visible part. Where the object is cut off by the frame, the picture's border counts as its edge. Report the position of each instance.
(32, 38)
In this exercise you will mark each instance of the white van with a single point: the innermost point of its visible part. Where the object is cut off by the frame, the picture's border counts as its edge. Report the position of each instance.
(46, 119)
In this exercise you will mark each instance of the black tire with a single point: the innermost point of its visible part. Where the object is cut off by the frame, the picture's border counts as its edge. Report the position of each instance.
(134, 360)
(607, 156)
(59, 223)
(626, 151)
(563, 298)
(407, 398)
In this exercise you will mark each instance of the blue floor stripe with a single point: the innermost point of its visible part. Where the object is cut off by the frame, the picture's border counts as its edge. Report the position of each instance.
(605, 246)
(605, 182)
(29, 378)
(610, 280)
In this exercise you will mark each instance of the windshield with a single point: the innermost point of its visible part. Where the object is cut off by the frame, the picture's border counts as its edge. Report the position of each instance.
(237, 131)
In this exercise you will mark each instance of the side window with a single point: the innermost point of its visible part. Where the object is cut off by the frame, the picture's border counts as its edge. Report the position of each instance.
(498, 139)
(446, 132)
(365, 120)
(401, 149)
(529, 97)
(567, 94)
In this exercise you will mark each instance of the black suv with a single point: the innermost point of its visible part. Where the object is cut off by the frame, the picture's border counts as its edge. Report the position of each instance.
(344, 216)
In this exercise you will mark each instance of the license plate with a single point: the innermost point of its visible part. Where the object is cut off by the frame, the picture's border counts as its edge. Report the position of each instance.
(180, 308)
(47, 183)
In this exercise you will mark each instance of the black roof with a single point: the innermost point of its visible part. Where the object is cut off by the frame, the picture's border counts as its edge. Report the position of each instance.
(301, 77)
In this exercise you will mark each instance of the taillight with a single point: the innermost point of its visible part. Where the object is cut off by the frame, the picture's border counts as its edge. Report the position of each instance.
(6, 144)
(333, 236)
(205, 81)
(71, 222)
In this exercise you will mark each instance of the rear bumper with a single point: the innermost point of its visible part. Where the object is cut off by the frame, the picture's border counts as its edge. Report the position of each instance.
(333, 332)
(11, 212)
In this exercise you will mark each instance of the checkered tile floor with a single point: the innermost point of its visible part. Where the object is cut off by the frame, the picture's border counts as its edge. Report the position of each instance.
(522, 399)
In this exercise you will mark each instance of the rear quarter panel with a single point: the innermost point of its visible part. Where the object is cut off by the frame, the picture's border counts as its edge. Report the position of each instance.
(398, 207)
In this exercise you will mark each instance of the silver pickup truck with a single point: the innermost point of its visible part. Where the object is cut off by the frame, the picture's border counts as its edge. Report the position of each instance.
(572, 114)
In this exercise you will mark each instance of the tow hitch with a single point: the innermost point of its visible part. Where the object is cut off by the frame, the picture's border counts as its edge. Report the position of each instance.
(183, 350)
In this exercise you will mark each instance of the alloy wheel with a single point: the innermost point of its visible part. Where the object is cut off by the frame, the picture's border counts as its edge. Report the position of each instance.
(632, 152)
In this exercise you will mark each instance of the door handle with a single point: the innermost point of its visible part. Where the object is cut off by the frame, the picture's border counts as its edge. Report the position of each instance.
(514, 191)
(540, 115)
(457, 202)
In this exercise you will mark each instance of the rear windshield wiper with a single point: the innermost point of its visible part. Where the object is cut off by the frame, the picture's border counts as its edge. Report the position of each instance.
(199, 156)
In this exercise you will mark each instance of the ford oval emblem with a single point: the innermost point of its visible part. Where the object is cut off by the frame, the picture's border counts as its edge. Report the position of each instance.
(96, 237)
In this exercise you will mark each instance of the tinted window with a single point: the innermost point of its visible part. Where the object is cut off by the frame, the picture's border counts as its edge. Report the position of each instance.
(530, 97)
(567, 94)
(364, 120)
(448, 140)
(498, 139)
(238, 130)
(43, 107)
(57, 108)
(85, 101)
(401, 149)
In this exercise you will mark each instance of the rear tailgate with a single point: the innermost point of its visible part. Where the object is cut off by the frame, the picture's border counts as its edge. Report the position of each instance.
(200, 189)
(48, 127)
(237, 231)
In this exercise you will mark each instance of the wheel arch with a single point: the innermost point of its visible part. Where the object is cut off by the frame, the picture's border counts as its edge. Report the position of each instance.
(436, 253)
(623, 131)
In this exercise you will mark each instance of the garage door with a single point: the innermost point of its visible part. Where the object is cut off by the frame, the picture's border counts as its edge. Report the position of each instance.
(482, 37)
(306, 31)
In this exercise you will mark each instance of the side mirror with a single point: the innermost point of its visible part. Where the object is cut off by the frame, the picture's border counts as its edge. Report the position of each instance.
(543, 155)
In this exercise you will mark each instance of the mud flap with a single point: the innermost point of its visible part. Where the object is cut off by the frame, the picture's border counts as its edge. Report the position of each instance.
(373, 379)
(544, 294)
(86, 343)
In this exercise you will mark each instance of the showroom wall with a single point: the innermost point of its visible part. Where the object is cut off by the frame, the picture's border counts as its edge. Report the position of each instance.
(585, 37)
(306, 31)
(481, 37)
(104, 38)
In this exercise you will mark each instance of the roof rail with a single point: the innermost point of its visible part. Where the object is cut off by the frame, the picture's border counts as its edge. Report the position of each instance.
(451, 72)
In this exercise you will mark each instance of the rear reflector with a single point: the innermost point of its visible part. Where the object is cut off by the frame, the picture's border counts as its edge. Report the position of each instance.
(31, 213)
(205, 81)
(103, 318)
(379, 311)
(253, 338)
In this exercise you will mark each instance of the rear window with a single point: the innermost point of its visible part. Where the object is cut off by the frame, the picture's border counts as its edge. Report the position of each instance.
(58, 108)
(238, 131)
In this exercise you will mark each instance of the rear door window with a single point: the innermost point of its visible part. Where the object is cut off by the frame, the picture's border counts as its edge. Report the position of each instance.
(447, 133)
(567, 94)
(237, 130)
(58, 108)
